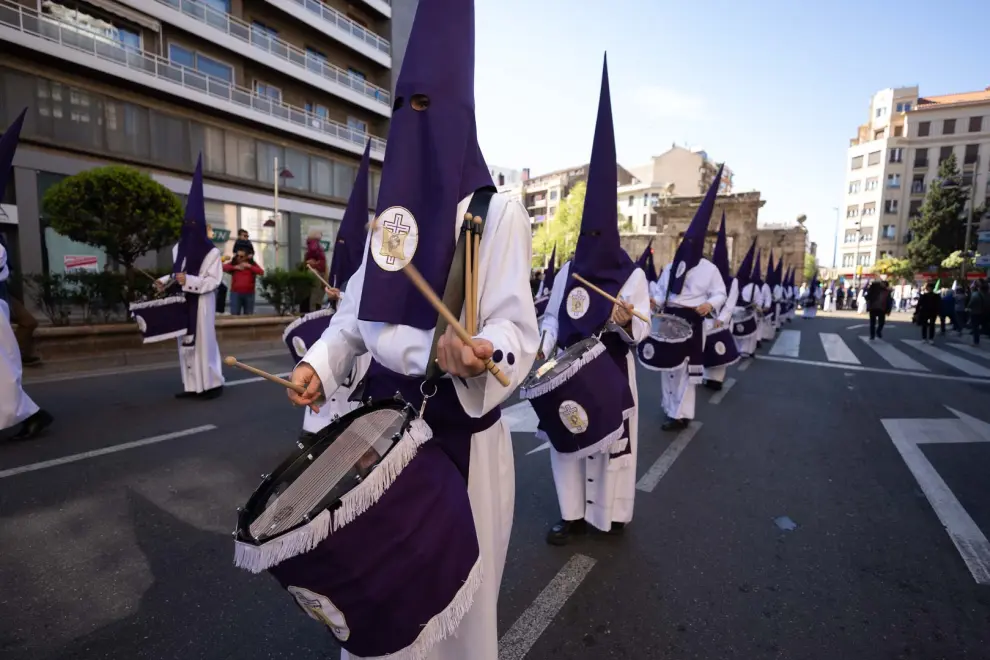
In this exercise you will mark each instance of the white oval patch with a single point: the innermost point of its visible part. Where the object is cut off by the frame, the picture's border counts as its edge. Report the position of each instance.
(320, 608)
(681, 267)
(720, 348)
(298, 345)
(394, 239)
(648, 351)
(573, 416)
(578, 301)
(739, 327)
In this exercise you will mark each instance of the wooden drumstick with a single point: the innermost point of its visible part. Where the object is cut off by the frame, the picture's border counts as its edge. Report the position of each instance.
(469, 273)
(609, 297)
(318, 276)
(231, 361)
(476, 303)
(424, 288)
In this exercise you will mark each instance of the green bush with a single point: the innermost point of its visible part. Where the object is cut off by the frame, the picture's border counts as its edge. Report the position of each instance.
(98, 297)
(286, 289)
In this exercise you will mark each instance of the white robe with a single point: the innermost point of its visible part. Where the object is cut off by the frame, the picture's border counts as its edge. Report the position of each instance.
(338, 404)
(724, 320)
(702, 284)
(598, 489)
(508, 321)
(750, 294)
(861, 302)
(15, 405)
(828, 301)
(200, 364)
(767, 330)
(811, 311)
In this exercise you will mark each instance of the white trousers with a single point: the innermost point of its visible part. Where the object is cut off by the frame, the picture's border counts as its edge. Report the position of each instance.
(678, 394)
(716, 374)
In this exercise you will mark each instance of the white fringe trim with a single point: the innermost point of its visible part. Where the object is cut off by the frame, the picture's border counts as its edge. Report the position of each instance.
(168, 335)
(563, 377)
(258, 558)
(600, 447)
(652, 368)
(620, 463)
(443, 625)
(329, 311)
(618, 446)
(171, 300)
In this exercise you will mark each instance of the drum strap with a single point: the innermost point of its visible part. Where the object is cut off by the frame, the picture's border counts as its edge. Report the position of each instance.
(453, 293)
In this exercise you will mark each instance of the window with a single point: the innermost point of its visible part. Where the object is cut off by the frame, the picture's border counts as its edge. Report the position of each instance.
(898, 131)
(918, 184)
(553, 195)
(170, 140)
(881, 112)
(904, 107)
(893, 180)
(870, 208)
(850, 236)
(888, 232)
(357, 125)
(315, 60)
(866, 236)
(864, 259)
(873, 158)
(267, 153)
(262, 35)
(871, 183)
(354, 73)
(975, 124)
(852, 211)
(924, 128)
(921, 158)
(948, 127)
(943, 154)
(914, 209)
(632, 200)
(848, 259)
(127, 128)
(890, 206)
(972, 154)
(321, 175)
(205, 65)
(857, 162)
(967, 181)
(896, 155)
(343, 179)
(646, 199)
(854, 187)
(645, 215)
(297, 162)
(553, 211)
(268, 91)
(209, 141)
(222, 6)
(320, 111)
(878, 134)
(239, 156)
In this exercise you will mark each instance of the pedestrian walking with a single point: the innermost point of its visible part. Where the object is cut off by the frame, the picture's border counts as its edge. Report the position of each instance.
(977, 309)
(876, 298)
(929, 305)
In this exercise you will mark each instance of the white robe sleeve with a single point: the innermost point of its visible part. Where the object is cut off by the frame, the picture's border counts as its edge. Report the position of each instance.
(209, 277)
(550, 325)
(715, 295)
(4, 271)
(332, 355)
(505, 309)
(725, 316)
(660, 287)
(635, 291)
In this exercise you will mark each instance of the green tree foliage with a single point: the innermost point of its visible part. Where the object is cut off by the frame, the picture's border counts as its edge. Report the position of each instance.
(941, 227)
(810, 267)
(894, 267)
(119, 209)
(955, 261)
(563, 230)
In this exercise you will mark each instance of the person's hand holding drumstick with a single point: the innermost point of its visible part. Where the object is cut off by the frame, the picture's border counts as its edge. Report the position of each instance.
(458, 359)
(622, 314)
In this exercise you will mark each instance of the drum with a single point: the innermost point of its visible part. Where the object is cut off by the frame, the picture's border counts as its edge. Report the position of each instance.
(720, 348)
(369, 528)
(667, 348)
(304, 331)
(744, 322)
(165, 318)
(580, 398)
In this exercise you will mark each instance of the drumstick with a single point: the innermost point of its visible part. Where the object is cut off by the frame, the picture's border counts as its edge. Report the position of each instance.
(469, 273)
(476, 303)
(231, 361)
(146, 274)
(451, 320)
(318, 276)
(608, 297)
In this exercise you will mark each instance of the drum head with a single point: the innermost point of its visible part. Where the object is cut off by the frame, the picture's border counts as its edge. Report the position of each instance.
(554, 367)
(670, 328)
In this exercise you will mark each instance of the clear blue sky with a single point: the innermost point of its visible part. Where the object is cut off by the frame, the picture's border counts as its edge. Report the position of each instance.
(776, 88)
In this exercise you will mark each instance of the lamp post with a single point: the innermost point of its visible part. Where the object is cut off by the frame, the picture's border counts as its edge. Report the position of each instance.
(835, 244)
(969, 218)
(272, 222)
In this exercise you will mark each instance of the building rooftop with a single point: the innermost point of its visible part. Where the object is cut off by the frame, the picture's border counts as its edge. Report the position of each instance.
(930, 102)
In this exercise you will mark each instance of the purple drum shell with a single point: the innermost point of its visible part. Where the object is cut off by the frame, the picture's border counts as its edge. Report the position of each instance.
(302, 333)
(720, 349)
(745, 328)
(162, 319)
(656, 354)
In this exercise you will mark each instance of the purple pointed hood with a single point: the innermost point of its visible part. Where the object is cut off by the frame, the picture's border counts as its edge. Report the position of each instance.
(194, 242)
(769, 280)
(744, 274)
(646, 262)
(757, 277)
(778, 275)
(720, 255)
(348, 249)
(551, 272)
(598, 257)
(432, 162)
(692, 247)
(8, 145)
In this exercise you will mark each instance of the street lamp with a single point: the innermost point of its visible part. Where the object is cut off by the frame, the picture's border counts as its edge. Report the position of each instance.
(949, 184)
(835, 243)
(272, 222)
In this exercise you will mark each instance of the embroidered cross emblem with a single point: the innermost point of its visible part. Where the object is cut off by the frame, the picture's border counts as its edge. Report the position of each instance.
(394, 239)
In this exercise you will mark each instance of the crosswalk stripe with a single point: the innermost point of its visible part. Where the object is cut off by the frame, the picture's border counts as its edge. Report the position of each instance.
(972, 350)
(836, 350)
(955, 361)
(788, 344)
(895, 358)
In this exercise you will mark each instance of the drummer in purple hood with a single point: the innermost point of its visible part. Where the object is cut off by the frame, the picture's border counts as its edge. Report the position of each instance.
(433, 174)
(599, 489)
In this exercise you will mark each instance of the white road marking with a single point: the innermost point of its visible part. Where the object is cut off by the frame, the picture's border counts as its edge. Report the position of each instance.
(972, 350)
(521, 417)
(959, 363)
(894, 357)
(878, 370)
(745, 364)
(787, 344)
(256, 379)
(543, 447)
(520, 638)
(837, 350)
(718, 396)
(857, 326)
(908, 435)
(653, 476)
(102, 452)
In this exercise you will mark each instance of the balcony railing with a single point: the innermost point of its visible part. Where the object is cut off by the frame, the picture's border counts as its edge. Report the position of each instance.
(97, 44)
(331, 15)
(918, 189)
(920, 163)
(273, 45)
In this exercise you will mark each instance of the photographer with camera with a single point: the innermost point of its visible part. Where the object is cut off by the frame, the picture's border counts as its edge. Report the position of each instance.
(244, 273)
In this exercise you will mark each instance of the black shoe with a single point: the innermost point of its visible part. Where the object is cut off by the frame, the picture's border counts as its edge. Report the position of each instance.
(186, 395)
(759, 344)
(617, 529)
(872, 337)
(30, 361)
(34, 425)
(713, 385)
(879, 334)
(674, 425)
(560, 534)
(214, 393)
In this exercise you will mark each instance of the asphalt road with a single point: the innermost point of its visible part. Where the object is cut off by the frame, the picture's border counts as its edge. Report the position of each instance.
(128, 554)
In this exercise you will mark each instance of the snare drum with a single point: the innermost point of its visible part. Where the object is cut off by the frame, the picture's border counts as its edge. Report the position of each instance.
(667, 348)
(580, 398)
(744, 322)
(165, 318)
(369, 527)
(304, 331)
(720, 348)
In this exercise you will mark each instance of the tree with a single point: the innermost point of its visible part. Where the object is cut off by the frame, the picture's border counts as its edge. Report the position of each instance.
(955, 260)
(941, 227)
(562, 230)
(894, 267)
(119, 209)
(810, 267)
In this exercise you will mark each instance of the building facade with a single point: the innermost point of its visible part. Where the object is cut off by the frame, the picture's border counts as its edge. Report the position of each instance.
(542, 194)
(270, 92)
(894, 158)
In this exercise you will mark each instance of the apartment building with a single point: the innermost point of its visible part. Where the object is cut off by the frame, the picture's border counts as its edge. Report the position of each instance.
(894, 158)
(542, 194)
(284, 92)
